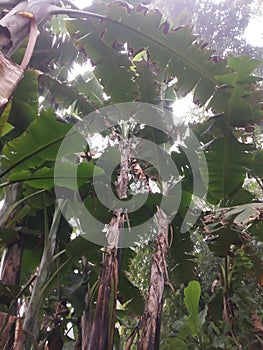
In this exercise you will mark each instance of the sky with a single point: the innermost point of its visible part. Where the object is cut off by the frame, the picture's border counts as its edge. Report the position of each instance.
(254, 32)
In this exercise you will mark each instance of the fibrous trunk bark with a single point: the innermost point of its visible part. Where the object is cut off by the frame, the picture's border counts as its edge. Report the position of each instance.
(31, 321)
(101, 336)
(10, 268)
(84, 323)
(10, 276)
(10, 74)
(104, 319)
(151, 321)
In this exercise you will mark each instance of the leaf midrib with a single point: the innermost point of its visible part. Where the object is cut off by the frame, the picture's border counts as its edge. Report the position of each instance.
(157, 42)
(32, 154)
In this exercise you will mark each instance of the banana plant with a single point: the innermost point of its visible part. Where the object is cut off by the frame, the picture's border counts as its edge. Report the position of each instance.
(135, 56)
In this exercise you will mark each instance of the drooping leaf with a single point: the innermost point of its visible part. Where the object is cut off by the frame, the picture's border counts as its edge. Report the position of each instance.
(175, 50)
(243, 66)
(224, 238)
(66, 175)
(40, 142)
(243, 214)
(37, 198)
(82, 247)
(50, 50)
(112, 67)
(235, 94)
(147, 83)
(42, 178)
(65, 94)
(89, 85)
(241, 197)
(67, 171)
(226, 160)
(182, 260)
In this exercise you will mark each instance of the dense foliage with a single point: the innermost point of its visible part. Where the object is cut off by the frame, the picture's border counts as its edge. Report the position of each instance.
(61, 290)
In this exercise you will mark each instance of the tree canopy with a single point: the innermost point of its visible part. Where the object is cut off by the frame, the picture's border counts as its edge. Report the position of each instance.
(123, 226)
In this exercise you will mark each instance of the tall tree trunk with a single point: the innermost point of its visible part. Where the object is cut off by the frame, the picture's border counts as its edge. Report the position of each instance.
(99, 334)
(85, 326)
(12, 262)
(151, 321)
(31, 322)
(103, 326)
(102, 333)
(85, 321)
(10, 276)
(10, 269)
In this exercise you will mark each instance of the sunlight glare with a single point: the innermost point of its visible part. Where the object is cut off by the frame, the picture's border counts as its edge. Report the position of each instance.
(254, 32)
(79, 69)
(182, 106)
(82, 3)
